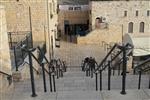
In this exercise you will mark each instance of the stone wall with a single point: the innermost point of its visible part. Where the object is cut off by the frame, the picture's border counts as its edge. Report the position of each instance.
(111, 34)
(74, 17)
(113, 13)
(5, 63)
(42, 14)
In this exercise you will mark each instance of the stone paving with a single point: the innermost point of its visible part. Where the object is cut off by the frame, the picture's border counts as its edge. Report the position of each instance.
(73, 54)
(75, 85)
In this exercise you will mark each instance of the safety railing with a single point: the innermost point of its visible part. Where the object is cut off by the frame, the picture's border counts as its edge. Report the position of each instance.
(42, 61)
(15, 37)
(120, 52)
(141, 69)
(18, 54)
(9, 77)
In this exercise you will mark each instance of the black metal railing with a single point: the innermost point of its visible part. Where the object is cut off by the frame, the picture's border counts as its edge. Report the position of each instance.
(9, 77)
(15, 37)
(109, 62)
(142, 68)
(17, 53)
(51, 70)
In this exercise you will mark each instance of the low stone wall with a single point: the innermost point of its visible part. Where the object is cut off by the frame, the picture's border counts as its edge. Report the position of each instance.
(111, 34)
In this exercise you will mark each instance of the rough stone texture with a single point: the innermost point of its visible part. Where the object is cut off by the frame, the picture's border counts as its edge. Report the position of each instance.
(73, 54)
(113, 11)
(5, 63)
(17, 15)
(111, 34)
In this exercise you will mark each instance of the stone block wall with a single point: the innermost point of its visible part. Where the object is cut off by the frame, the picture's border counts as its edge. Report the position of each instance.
(42, 13)
(112, 34)
(5, 63)
(114, 13)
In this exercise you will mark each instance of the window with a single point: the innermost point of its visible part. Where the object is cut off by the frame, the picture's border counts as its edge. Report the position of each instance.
(77, 8)
(125, 13)
(130, 27)
(137, 13)
(70, 8)
(142, 27)
(148, 12)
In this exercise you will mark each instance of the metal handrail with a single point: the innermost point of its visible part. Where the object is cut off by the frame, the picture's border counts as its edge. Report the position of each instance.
(9, 77)
(5, 74)
(39, 63)
(33, 67)
(108, 54)
(139, 66)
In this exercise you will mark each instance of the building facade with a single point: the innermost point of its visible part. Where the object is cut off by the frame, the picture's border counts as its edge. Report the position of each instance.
(43, 19)
(132, 15)
(73, 17)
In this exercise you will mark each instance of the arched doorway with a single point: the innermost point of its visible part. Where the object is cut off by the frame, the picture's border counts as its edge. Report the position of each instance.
(130, 27)
(142, 27)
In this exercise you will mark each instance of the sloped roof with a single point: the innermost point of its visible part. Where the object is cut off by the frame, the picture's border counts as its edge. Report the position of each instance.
(73, 2)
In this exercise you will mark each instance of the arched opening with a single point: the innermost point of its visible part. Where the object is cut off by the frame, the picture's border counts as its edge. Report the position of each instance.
(98, 20)
(130, 27)
(142, 27)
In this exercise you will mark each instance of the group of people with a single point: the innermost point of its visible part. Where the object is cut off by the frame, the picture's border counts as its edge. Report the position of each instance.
(89, 63)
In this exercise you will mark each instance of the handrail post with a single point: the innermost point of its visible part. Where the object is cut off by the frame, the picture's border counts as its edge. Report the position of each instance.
(139, 84)
(57, 72)
(119, 69)
(32, 75)
(54, 83)
(96, 82)
(22, 51)
(109, 75)
(92, 72)
(50, 79)
(10, 39)
(15, 58)
(124, 71)
(44, 78)
(100, 79)
(149, 83)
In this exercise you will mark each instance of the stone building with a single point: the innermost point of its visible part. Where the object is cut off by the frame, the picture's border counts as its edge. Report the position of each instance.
(43, 18)
(15, 17)
(132, 16)
(73, 17)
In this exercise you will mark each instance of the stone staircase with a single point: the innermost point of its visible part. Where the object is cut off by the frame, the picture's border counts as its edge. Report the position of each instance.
(76, 86)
